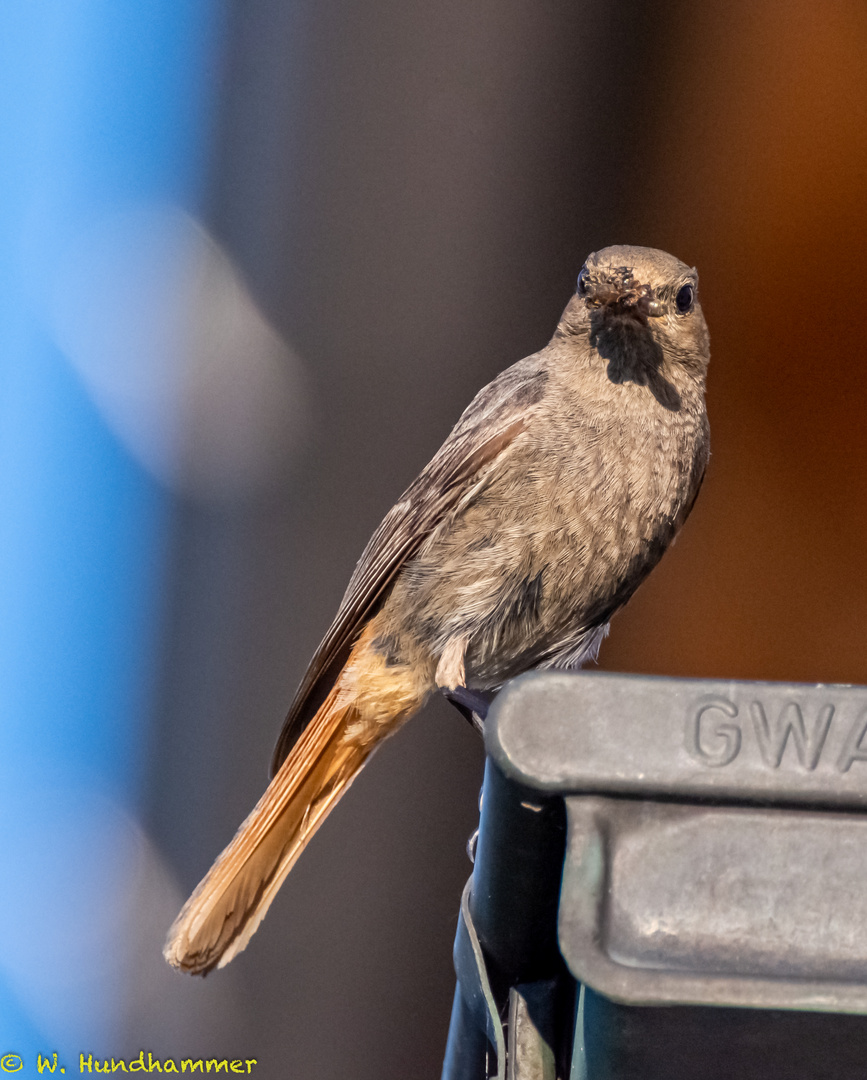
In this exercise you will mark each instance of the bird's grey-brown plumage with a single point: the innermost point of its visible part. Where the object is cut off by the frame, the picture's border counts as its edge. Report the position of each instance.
(556, 493)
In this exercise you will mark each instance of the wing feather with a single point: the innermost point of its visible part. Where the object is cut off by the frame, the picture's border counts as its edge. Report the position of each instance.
(489, 425)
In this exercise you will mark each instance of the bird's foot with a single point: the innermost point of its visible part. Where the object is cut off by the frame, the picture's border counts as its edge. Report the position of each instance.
(472, 705)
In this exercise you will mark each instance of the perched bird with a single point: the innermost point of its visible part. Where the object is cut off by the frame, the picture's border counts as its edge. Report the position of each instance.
(556, 493)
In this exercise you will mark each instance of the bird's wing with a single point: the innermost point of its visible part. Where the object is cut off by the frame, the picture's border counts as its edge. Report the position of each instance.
(496, 416)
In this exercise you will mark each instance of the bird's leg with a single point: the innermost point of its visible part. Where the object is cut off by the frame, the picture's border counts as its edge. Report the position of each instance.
(450, 678)
(473, 707)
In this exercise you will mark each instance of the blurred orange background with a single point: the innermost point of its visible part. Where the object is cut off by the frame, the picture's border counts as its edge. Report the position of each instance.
(762, 147)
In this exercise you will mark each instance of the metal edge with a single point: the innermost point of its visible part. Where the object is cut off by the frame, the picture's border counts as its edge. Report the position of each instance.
(474, 967)
(520, 694)
(650, 986)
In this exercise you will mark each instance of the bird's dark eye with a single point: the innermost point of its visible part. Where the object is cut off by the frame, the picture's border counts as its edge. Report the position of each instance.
(582, 282)
(685, 299)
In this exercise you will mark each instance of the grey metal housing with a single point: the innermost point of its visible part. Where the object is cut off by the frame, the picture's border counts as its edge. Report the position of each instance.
(670, 843)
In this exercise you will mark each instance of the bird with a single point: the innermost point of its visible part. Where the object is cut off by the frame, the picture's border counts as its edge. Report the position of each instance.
(556, 493)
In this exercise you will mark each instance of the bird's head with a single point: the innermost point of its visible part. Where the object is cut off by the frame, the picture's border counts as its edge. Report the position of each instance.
(639, 308)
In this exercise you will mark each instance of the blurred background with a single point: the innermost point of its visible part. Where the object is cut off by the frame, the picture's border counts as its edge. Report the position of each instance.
(256, 256)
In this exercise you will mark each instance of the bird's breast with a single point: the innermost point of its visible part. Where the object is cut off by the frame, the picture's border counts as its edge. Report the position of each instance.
(565, 527)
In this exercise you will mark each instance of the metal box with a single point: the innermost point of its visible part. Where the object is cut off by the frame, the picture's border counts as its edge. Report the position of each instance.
(652, 848)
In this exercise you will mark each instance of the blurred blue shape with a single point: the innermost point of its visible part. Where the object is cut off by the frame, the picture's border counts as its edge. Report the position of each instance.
(103, 104)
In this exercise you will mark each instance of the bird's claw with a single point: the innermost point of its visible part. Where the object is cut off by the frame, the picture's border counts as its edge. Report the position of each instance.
(471, 705)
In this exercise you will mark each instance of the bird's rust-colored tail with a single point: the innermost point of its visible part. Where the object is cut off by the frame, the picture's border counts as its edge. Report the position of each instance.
(223, 913)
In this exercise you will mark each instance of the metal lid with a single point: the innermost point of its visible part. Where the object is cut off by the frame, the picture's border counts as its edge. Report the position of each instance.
(730, 741)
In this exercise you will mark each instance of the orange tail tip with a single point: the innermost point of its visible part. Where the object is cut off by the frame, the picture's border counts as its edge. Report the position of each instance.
(368, 702)
(221, 916)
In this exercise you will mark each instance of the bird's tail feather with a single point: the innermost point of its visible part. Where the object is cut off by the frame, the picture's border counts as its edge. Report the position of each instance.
(224, 912)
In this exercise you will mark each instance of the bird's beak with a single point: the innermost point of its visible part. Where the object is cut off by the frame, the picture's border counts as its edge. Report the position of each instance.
(627, 296)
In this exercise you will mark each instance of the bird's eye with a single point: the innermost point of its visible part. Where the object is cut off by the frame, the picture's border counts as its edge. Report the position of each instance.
(685, 299)
(582, 282)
